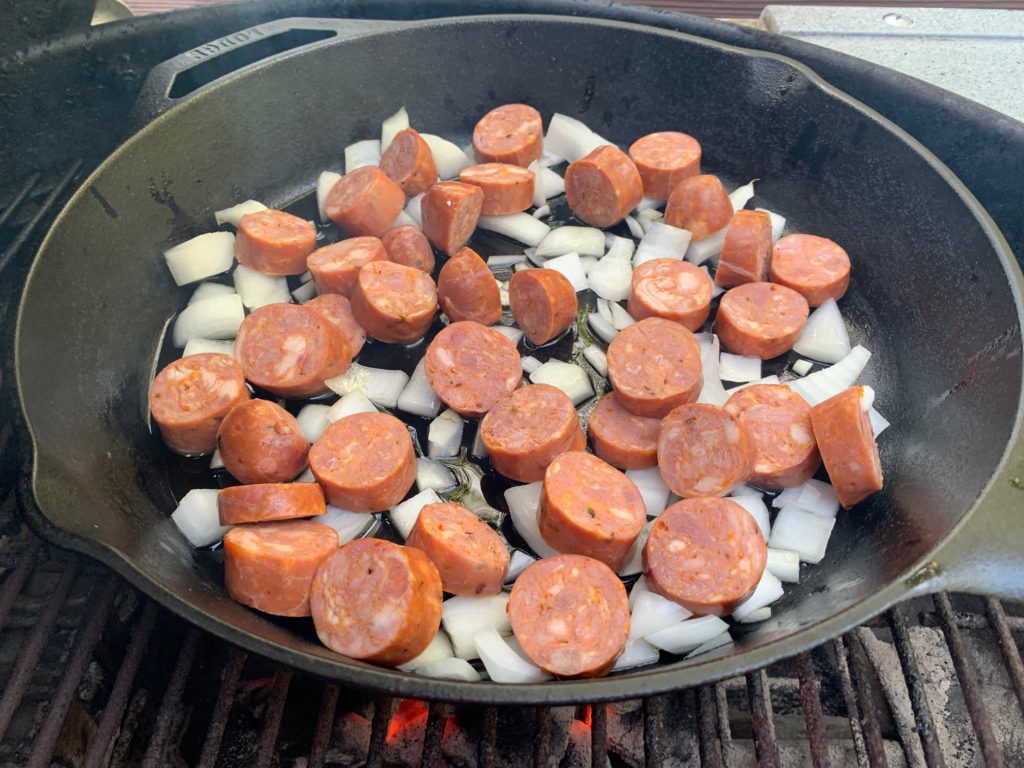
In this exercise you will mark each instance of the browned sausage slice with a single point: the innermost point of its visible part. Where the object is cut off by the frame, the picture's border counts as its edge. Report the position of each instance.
(570, 614)
(699, 204)
(664, 159)
(672, 289)
(190, 397)
(260, 442)
(467, 290)
(364, 462)
(525, 431)
(588, 507)
(274, 242)
(603, 187)
(407, 245)
(450, 211)
(760, 319)
(394, 303)
(543, 303)
(746, 251)
(376, 601)
(469, 555)
(703, 450)
(364, 202)
(507, 188)
(266, 502)
(654, 365)
(847, 444)
(778, 422)
(337, 310)
(408, 161)
(706, 554)
(512, 133)
(290, 350)
(335, 267)
(270, 566)
(814, 267)
(622, 439)
(471, 367)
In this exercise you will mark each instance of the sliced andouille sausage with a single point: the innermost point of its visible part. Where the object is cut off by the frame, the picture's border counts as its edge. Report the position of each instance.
(265, 502)
(407, 245)
(291, 350)
(760, 319)
(699, 204)
(335, 267)
(847, 444)
(274, 242)
(364, 462)
(664, 159)
(260, 442)
(450, 211)
(190, 397)
(815, 267)
(525, 431)
(579, 443)
(778, 422)
(364, 202)
(337, 310)
(408, 161)
(543, 303)
(706, 554)
(468, 554)
(654, 365)
(471, 367)
(376, 601)
(703, 450)
(270, 566)
(394, 303)
(588, 507)
(570, 614)
(512, 133)
(467, 290)
(603, 187)
(746, 251)
(673, 289)
(622, 439)
(507, 188)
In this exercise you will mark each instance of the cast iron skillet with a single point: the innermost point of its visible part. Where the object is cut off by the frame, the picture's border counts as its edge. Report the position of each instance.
(935, 295)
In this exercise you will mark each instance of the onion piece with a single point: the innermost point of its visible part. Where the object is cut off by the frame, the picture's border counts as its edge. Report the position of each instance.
(621, 319)
(234, 214)
(738, 368)
(201, 257)
(381, 385)
(444, 437)
(768, 590)
(217, 461)
(514, 334)
(604, 310)
(501, 661)
(637, 653)
(362, 153)
(778, 223)
(530, 364)
(503, 292)
(687, 635)
(313, 420)
(540, 213)
(604, 329)
(712, 392)
(584, 241)
(518, 563)
(571, 139)
(647, 218)
(612, 276)
(878, 422)
(649, 203)
(521, 227)
(824, 336)
(523, 504)
(198, 346)
(716, 289)
(391, 126)
(554, 184)
(440, 648)
(715, 642)
(324, 184)
(706, 248)
(404, 514)
(652, 488)
(740, 196)
(651, 612)
(418, 398)
(638, 588)
(304, 292)
(821, 385)
(662, 242)
(505, 262)
(257, 289)
(208, 290)
(215, 318)
(433, 475)
(635, 563)
(570, 266)
(549, 159)
(449, 158)
(757, 509)
(348, 525)
(785, 564)
(448, 669)
(588, 263)
(198, 519)
(754, 617)
(412, 209)
(478, 449)
(802, 367)
(618, 248)
(569, 378)
(597, 358)
(812, 496)
(634, 227)
(352, 403)
(463, 617)
(405, 220)
(746, 490)
(538, 185)
(803, 532)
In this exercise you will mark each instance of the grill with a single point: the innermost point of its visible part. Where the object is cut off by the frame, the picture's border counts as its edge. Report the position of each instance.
(92, 673)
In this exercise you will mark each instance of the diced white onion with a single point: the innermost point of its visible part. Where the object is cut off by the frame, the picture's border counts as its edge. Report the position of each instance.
(352, 403)
(785, 564)
(585, 241)
(812, 496)
(700, 251)
(448, 669)
(503, 292)
(234, 214)
(304, 292)
(348, 525)
(553, 183)
(878, 422)
(651, 613)
(530, 364)
(634, 227)
(449, 158)
(405, 220)
(518, 563)
(588, 263)
(361, 154)
(215, 318)
(662, 242)
(538, 185)
(197, 346)
(391, 126)
(687, 635)
(549, 159)
(740, 196)
(569, 378)
(440, 648)
(597, 358)
(611, 277)
(649, 203)
(504, 262)
(445, 434)
(418, 397)
(754, 617)
(462, 617)
(716, 289)
(648, 217)
(383, 386)
(803, 532)
(540, 213)
(478, 449)
(638, 588)
(738, 368)
(208, 290)
(635, 563)
(403, 515)
(604, 329)
(604, 309)
(746, 490)
(802, 367)
(621, 319)
(570, 266)
(757, 509)
(571, 139)
(313, 420)
(412, 209)
(514, 334)
(502, 663)
(201, 257)
(715, 642)
(523, 503)
(824, 336)
(712, 392)
(217, 461)
(257, 289)
(821, 385)
(198, 519)
(618, 247)
(652, 488)
(521, 227)
(324, 184)
(768, 590)
(637, 653)
(433, 475)
(778, 223)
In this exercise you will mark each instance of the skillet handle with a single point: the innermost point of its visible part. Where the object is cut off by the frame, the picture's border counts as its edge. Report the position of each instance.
(172, 81)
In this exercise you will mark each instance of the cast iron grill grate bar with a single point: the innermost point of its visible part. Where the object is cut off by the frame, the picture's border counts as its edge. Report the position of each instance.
(433, 733)
(272, 718)
(44, 211)
(810, 701)
(15, 581)
(710, 744)
(20, 197)
(324, 726)
(761, 717)
(850, 699)
(867, 696)
(383, 710)
(654, 730)
(170, 708)
(222, 709)
(1011, 654)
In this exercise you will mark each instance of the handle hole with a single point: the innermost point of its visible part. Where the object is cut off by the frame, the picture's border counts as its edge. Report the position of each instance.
(220, 64)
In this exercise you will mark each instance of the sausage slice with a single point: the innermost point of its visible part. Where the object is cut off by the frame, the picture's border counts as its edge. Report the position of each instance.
(699, 204)
(260, 442)
(760, 319)
(815, 267)
(672, 289)
(746, 251)
(467, 290)
(394, 303)
(512, 133)
(450, 211)
(364, 202)
(622, 439)
(335, 267)
(408, 161)
(274, 242)
(543, 303)
(603, 187)
(337, 310)
(507, 188)
(265, 502)
(703, 450)
(664, 159)
(407, 245)
(847, 444)
(471, 367)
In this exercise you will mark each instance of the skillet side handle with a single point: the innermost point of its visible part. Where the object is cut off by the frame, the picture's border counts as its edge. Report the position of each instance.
(174, 80)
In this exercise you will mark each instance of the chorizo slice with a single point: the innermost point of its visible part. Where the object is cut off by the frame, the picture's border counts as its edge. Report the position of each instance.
(507, 188)
(815, 267)
(260, 442)
(703, 450)
(673, 289)
(760, 319)
(266, 502)
(621, 438)
(471, 367)
(408, 161)
(746, 251)
(543, 303)
(450, 211)
(699, 204)
(394, 303)
(603, 187)
(335, 267)
(847, 444)
(467, 290)
(337, 310)
(664, 159)
(364, 202)
(409, 246)
(274, 242)
(512, 133)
